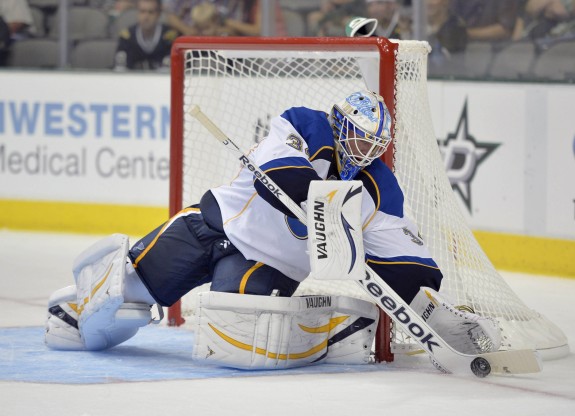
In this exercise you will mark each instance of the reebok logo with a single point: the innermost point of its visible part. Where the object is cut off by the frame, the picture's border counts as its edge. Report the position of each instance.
(261, 177)
(400, 314)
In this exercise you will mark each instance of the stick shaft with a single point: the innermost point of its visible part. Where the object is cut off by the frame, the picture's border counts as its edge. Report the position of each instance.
(248, 163)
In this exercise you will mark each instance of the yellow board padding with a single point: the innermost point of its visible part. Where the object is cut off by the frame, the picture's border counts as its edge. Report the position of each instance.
(80, 218)
(519, 253)
(529, 254)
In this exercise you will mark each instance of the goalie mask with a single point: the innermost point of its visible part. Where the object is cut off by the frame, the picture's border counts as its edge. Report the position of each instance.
(362, 130)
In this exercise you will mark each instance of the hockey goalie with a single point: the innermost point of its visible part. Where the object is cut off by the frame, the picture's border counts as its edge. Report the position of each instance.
(255, 252)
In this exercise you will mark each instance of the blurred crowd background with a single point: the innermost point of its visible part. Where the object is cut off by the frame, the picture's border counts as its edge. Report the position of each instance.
(470, 39)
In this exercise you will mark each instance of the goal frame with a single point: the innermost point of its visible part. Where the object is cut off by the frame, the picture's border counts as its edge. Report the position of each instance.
(387, 72)
(216, 72)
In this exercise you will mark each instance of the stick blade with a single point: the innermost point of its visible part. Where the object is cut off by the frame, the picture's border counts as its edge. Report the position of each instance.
(514, 362)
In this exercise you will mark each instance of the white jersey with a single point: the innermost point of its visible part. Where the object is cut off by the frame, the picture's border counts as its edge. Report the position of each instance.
(300, 148)
(258, 230)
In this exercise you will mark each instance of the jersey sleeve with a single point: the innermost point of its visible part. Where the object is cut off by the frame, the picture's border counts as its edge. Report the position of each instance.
(284, 157)
(393, 247)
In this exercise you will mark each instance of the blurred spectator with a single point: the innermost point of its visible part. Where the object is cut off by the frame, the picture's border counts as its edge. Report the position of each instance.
(445, 31)
(18, 17)
(387, 13)
(333, 16)
(179, 15)
(206, 20)
(488, 20)
(541, 18)
(243, 18)
(4, 41)
(113, 7)
(447, 35)
(405, 24)
(550, 9)
(16, 23)
(219, 17)
(147, 44)
(567, 26)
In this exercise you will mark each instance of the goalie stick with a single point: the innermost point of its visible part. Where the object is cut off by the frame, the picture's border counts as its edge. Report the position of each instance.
(442, 354)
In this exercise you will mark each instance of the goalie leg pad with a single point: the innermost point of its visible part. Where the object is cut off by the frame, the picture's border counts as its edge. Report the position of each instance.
(464, 330)
(259, 332)
(62, 324)
(99, 273)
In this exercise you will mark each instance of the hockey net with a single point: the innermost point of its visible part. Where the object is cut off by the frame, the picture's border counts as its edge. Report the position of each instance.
(242, 82)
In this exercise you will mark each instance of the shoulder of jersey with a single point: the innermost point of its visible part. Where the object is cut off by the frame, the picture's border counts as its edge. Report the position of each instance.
(303, 115)
(125, 34)
(312, 125)
(169, 34)
(378, 169)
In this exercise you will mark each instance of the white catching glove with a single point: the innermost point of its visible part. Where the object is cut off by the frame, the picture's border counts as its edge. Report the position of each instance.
(335, 235)
(464, 330)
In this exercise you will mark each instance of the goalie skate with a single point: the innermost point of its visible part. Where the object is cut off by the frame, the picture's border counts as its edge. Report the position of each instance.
(459, 326)
(62, 321)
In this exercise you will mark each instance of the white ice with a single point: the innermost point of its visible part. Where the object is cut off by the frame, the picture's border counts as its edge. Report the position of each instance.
(32, 265)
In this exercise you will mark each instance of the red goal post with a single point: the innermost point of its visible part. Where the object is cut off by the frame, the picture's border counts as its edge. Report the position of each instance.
(241, 82)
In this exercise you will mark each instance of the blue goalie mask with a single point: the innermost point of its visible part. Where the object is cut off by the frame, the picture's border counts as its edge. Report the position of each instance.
(362, 130)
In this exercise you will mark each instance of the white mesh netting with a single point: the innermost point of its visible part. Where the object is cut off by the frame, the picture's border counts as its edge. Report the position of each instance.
(469, 276)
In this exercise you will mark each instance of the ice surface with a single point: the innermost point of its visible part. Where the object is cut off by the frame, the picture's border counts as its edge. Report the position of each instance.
(152, 375)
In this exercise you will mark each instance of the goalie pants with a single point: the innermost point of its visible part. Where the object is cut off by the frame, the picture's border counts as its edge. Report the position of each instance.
(191, 249)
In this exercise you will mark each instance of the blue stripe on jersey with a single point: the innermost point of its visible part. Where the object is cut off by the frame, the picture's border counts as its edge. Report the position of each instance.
(407, 274)
(315, 129)
(428, 262)
(325, 153)
(383, 187)
(286, 162)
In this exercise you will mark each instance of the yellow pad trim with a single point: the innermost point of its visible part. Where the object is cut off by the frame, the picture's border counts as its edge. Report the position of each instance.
(273, 355)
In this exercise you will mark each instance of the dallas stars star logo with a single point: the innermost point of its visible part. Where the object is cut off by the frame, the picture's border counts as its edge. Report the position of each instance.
(462, 155)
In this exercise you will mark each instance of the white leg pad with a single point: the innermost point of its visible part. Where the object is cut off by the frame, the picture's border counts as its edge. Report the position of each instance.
(260, 332)
(464, 330)
(104, 320)
(63, 330)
